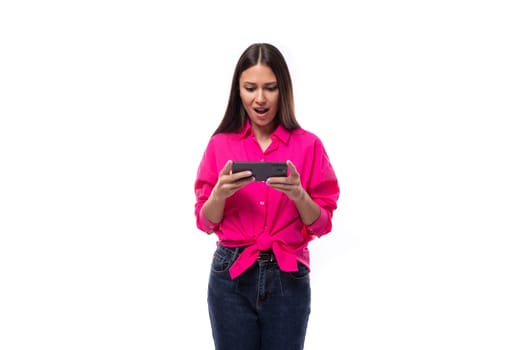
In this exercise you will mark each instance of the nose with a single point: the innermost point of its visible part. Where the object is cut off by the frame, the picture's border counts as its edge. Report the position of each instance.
(260, 98)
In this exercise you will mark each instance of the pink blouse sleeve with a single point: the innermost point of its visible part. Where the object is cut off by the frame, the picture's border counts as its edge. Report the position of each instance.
(205, 181)
(323, 187)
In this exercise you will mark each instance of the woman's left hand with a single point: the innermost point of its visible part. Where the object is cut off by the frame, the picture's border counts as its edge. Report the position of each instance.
(290, 185)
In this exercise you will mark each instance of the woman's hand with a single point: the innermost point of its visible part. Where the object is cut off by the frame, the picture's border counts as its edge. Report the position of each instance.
(228, 183)
(290, 185)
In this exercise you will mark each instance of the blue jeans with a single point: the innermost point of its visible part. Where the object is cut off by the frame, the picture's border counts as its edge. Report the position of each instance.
(262, 309)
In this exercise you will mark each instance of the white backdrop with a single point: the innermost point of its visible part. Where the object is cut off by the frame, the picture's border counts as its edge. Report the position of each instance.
(106, 107)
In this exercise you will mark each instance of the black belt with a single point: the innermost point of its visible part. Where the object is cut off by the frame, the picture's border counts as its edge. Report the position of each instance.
(266, 256)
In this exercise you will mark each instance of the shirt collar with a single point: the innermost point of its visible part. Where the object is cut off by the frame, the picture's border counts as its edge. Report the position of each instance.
(281, 133)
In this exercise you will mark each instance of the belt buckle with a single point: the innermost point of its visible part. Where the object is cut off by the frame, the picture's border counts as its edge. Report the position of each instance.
(266, 256)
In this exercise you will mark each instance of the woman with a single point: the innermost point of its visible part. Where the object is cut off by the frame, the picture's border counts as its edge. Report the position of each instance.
(259, 286)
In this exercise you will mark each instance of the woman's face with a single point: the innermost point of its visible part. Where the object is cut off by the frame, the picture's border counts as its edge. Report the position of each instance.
(260, 96)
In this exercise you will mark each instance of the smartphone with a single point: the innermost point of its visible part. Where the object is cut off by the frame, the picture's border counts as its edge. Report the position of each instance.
(262, 170)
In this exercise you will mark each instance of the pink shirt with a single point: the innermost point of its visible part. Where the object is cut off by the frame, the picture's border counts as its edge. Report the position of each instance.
(258, 216)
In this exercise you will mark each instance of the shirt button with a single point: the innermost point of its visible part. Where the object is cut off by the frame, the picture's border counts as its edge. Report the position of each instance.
(261, 203)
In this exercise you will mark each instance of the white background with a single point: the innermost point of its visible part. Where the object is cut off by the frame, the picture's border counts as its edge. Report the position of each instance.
(106, 107)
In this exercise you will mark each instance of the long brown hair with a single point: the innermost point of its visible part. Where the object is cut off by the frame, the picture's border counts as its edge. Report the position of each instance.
(260, 53)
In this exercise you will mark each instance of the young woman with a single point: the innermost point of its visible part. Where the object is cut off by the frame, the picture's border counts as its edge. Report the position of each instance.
(259, 286)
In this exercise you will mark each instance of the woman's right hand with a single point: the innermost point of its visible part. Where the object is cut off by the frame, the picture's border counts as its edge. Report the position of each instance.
(228, 183)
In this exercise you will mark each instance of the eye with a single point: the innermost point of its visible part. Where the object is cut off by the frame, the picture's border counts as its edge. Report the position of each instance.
(249, 88)
(272, 88)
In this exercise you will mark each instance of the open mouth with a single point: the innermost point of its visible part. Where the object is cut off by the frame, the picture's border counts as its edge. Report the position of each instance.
(261, 110)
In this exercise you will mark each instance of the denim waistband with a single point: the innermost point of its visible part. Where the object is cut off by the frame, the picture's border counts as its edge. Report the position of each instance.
(234, 252)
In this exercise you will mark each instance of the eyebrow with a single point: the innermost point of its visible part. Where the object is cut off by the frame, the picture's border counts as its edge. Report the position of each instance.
(265, 84)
